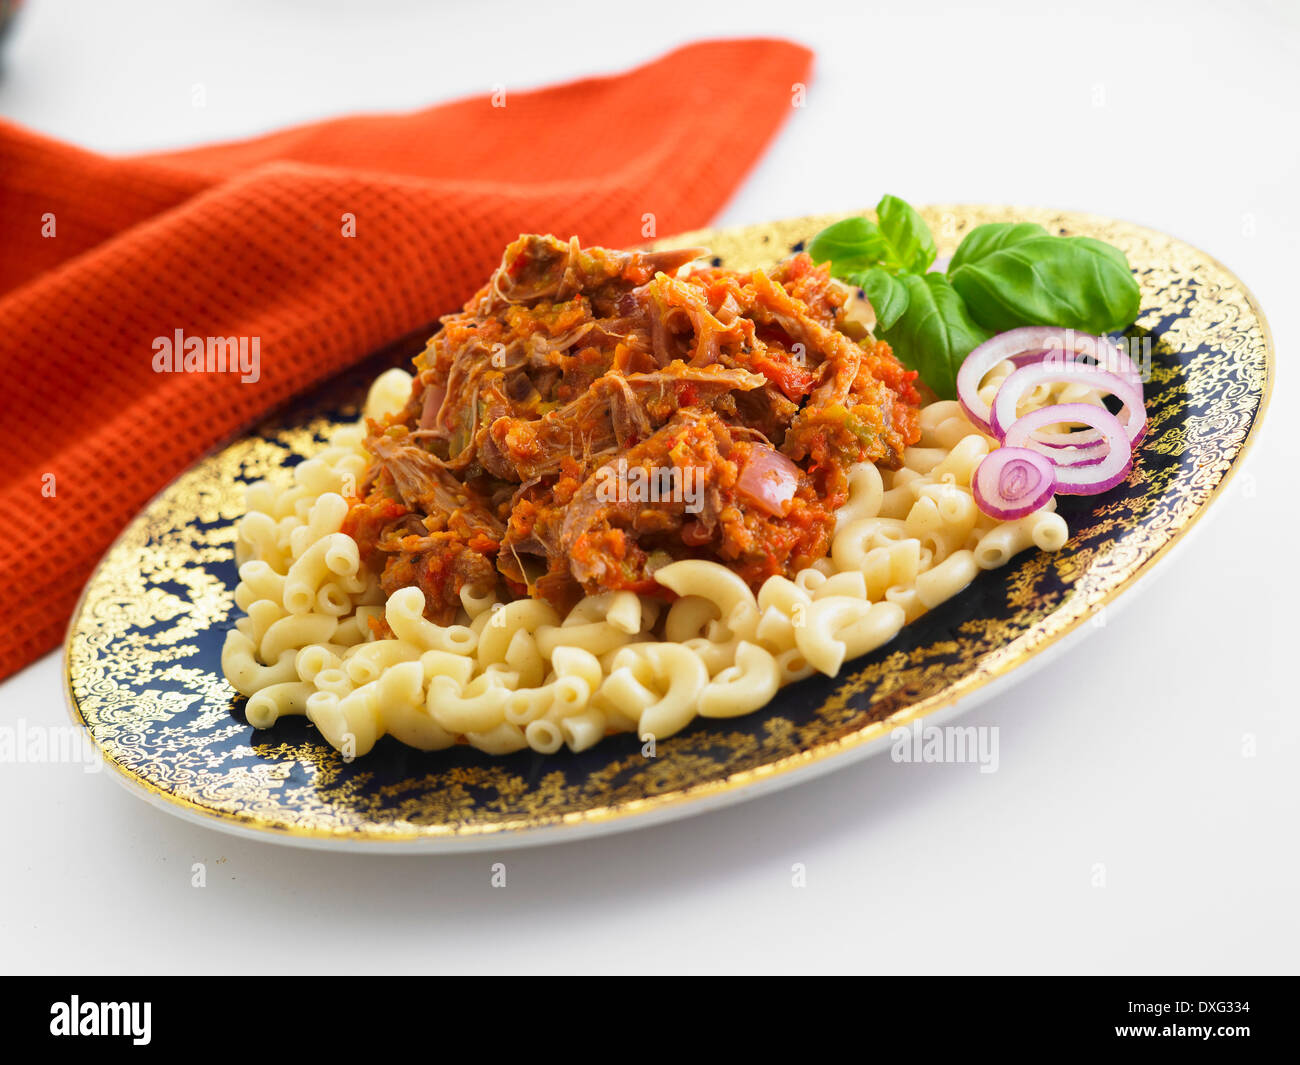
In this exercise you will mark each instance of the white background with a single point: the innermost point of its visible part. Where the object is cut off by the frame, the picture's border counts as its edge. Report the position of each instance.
(1127, 752)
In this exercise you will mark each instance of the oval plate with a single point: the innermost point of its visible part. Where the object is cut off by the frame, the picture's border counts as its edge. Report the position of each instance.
(143, 652)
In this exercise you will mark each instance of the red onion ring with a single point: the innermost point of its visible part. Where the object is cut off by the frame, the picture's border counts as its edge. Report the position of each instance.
(1011, 482)
(1083, 445)
(1084, 478)
(1049, 345)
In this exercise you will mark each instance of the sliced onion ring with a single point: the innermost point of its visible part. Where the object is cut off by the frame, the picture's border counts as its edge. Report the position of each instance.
(1035, 343)
(1080, 479)
(1011, 482)
(1133, 416)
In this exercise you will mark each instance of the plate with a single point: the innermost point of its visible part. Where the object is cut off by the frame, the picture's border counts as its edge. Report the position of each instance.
(143, 654)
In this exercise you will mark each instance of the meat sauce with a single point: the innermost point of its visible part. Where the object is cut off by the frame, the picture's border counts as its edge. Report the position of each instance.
(578, 376)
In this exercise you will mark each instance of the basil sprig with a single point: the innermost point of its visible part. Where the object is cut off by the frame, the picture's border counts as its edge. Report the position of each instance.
(900, 240)
(1003, 275)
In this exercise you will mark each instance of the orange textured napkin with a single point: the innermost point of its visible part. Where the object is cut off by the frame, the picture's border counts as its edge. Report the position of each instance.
(100, 256)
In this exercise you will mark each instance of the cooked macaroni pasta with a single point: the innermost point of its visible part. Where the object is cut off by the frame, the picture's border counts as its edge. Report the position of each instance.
(320, 639)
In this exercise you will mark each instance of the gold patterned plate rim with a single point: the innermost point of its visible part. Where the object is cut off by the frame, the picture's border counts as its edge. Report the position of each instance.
(127, 682)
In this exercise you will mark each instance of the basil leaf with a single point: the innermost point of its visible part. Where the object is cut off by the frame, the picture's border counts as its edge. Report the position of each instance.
(899, 241)
(888, 295)
(854, 245)
(993, 236)
(1073, 282)
(1102, 248)
(935, 333)
(911, 242)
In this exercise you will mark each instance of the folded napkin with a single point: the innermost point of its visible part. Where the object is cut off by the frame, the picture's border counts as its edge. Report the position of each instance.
(323, 242)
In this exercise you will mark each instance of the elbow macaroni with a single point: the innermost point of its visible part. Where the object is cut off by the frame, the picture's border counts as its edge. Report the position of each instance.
(518, 675)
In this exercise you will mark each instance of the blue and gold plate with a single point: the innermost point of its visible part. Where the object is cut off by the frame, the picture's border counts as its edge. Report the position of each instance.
(144, 646)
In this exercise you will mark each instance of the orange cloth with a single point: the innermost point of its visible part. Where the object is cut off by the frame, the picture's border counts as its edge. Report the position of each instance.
(245, 240)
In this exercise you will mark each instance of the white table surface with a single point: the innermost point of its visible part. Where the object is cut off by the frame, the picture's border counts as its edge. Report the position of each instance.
(1127, 752)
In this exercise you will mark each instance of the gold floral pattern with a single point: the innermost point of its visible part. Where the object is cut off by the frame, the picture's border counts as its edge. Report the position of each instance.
(143, 652)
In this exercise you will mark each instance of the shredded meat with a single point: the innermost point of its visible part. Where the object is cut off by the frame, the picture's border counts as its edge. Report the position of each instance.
(590, 412)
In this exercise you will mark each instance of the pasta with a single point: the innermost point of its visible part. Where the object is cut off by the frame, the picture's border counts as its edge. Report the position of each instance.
(320, 638)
